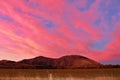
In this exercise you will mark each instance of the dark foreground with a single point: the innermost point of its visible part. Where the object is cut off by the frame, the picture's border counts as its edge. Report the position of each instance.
(60, 74)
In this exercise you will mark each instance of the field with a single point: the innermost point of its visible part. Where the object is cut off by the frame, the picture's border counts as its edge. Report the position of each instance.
(60, 74)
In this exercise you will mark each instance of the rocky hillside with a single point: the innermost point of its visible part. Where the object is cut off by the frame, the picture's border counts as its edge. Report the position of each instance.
(65, 62)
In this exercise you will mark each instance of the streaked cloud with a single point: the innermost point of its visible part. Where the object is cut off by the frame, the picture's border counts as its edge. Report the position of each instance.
(54, 28)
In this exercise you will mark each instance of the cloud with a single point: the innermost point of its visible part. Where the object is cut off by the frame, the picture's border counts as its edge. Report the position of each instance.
(54, 28)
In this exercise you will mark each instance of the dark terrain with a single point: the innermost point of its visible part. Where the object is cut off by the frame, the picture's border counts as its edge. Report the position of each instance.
(65, 62)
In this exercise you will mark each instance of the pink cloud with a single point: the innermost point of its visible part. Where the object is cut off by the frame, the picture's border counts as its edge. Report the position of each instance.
(56, 28)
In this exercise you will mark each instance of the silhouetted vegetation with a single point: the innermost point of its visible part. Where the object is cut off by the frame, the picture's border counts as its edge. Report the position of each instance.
(110, 66)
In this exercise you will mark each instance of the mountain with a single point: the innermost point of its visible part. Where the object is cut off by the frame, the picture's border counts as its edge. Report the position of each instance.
(40, 62)
(12, 64)
(69, 61)
(75, 61)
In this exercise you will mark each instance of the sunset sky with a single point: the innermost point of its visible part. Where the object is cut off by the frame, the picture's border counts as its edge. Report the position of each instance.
(54, 28)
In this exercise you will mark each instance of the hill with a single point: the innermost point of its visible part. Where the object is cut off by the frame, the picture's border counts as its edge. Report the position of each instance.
(41, 62)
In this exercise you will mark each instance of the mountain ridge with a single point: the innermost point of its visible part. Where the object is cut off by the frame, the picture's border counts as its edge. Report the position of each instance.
(41, 62)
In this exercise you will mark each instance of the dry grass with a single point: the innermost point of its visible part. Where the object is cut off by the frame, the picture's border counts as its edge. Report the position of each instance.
(59, 74)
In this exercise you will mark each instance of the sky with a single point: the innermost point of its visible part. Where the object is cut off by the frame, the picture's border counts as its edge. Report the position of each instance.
(54, 28)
